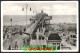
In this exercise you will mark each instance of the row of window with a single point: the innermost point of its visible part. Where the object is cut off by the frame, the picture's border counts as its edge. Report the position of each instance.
(56, 43)
(73, 36)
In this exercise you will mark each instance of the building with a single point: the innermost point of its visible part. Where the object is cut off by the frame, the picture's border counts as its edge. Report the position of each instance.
(38, 42)
(72, 39)
(54, 40)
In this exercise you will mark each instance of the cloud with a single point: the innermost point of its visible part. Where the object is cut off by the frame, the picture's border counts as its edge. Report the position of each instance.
(52, 9)
(14, 8)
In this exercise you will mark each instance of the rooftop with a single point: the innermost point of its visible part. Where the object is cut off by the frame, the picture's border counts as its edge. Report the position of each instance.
(54, 36)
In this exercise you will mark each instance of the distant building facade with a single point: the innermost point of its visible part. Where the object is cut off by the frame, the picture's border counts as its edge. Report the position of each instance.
(72, 39)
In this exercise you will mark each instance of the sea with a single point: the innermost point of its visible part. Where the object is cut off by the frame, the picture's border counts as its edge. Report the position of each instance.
(23, 19)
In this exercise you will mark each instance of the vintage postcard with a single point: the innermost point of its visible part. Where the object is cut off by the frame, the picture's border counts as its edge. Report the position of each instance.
(39, 26)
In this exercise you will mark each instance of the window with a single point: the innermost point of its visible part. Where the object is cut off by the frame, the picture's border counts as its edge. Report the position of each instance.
(58, 43)
(74, 36)
(71, 36)
(54, 43)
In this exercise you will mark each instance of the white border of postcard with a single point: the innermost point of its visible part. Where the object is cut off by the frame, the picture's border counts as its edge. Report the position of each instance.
(41, 2)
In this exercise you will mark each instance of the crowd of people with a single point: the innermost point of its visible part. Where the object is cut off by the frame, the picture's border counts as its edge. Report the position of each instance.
(9, 33)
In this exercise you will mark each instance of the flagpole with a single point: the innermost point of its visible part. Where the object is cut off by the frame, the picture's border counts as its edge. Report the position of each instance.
(26, 13)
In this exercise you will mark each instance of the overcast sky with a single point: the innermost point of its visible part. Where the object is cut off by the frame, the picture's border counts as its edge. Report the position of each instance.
(51, 8)
(55, 8)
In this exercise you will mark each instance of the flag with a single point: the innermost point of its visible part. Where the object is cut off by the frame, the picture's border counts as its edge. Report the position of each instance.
(11, 19)
(30, 9)
(22, 9)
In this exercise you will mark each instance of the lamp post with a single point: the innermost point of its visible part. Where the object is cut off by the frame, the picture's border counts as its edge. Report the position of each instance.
(11, 35)
(11, 28)
(26, 13)
(11, 22)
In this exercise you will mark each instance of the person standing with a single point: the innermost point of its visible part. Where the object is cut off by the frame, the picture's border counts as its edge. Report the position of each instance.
(16, 46)
(9, 47)
(24, 29)
(23, 42)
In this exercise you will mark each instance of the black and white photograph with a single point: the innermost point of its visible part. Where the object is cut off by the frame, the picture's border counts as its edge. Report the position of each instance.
(38, 23)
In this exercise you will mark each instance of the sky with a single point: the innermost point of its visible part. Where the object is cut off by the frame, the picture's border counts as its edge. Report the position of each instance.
(53, 8)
